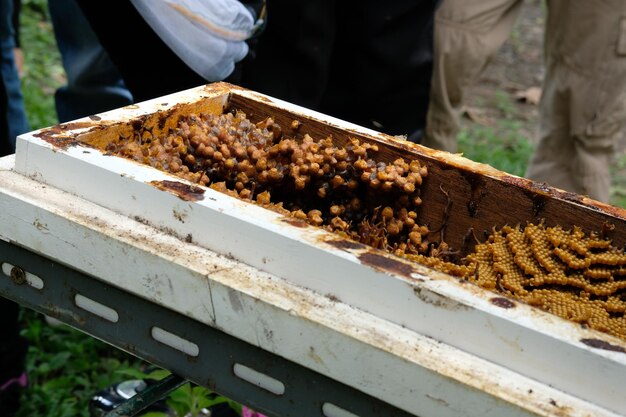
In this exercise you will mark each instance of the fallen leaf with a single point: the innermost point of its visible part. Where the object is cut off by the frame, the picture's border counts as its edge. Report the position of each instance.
(531, 95)
(478, 116)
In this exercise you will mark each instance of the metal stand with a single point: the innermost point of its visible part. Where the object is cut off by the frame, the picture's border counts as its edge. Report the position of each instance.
(130, 325)
(139, 402)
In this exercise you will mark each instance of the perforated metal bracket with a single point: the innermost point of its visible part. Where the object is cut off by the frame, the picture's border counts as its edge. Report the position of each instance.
(186, 347)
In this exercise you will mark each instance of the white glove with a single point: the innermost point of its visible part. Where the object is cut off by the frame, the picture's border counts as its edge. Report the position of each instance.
(208, 35)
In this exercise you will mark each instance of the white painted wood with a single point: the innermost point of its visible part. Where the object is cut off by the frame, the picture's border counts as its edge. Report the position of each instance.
(394, 363)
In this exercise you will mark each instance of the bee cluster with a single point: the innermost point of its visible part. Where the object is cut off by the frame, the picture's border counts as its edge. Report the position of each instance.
(576, 276)
(340, 188)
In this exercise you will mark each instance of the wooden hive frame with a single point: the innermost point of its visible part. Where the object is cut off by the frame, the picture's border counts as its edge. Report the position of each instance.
(460, 193)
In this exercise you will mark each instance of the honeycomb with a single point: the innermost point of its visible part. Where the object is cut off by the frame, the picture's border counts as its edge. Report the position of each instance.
(580, 277)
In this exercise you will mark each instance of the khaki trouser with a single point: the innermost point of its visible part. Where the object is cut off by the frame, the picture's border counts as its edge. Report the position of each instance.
(468, 33)
(583, 105)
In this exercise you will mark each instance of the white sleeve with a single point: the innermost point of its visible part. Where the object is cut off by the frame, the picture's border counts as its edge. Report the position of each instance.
(208, 35)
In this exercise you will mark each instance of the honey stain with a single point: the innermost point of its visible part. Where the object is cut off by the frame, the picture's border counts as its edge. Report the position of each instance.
(181, 190)
(601, 344)
(386, 263)
(502, 302)
(346, 244)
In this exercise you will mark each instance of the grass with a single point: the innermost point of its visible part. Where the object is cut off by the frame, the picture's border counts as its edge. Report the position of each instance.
(618, 188)
(66, 367)
(503, 147)
(43, 72)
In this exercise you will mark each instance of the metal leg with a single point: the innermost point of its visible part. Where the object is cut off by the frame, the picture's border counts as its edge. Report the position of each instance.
(195, 351)
(147, 397)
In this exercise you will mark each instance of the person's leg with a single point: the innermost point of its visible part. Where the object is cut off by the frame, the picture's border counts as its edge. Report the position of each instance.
(6, 147)
(382, 65)
(12, 358)
(12, 347)
(468, 33)
(366, 62)
(583, 105)
(16, 116)
(18, 123)
(292, 56)
(94, 84)
(149, 68)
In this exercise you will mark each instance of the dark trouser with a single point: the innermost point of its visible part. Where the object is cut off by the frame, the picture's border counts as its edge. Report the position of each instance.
(12, 346)
(368, 62)
(149, 68)
(13, 350)
(365, 61)
(93, 83)
(6, 148)
(12, 99)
